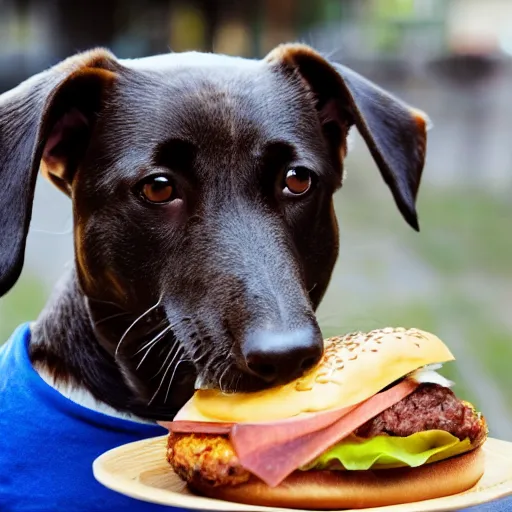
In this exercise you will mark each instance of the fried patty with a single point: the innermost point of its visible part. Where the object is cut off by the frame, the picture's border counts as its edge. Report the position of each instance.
(210, 459)
(205, 459)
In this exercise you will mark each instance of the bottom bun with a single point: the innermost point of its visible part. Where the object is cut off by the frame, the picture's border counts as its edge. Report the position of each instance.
(324, 490)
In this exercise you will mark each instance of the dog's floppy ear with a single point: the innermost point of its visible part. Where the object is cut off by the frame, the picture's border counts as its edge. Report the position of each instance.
(394, 132)
(47, 118)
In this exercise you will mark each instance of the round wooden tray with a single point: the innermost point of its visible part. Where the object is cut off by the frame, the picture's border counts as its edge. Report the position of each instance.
(140, 470)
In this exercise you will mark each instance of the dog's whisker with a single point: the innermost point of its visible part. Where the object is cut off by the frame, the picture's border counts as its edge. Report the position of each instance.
(197, 359)
(237, 383)
(172, 377)
(169, 366)
(148, 346)
(217, 363)
(169, 354)
(178, 353)
(111, 317)
(232, 383)
(160, 385)
(161, 368)
(222, 373)
(228, 366)
(134, 323)
(198, 350)
(100, 301)
(152, 344)
(155, 339)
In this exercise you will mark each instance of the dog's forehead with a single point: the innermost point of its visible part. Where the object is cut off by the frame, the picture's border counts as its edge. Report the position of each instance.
(170, 61)
(211, 100)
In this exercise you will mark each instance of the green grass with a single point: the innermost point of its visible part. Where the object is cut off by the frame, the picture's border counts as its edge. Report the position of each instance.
(462, 229)
(467, 231)
(22, 304)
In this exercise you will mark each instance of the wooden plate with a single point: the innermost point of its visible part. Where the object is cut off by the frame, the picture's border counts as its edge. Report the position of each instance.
(140, 470)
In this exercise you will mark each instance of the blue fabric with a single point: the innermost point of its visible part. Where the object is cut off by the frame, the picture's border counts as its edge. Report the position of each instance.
(48, 443)
(503, 505)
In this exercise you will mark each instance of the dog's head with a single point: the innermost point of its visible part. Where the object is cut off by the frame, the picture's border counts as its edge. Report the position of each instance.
(202, 196)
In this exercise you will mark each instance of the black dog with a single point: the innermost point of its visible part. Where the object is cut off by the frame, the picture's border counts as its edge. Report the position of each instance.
(205, 235)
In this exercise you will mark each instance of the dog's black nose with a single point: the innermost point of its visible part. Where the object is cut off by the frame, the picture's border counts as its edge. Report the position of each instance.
(279, 357)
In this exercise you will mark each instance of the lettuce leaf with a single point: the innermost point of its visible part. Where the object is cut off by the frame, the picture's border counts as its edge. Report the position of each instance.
(383, 451)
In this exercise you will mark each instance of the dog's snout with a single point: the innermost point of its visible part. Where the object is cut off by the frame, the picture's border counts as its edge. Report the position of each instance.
(279, 357)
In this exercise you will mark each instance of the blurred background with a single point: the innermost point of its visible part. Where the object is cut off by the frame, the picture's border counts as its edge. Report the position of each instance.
(450, 58)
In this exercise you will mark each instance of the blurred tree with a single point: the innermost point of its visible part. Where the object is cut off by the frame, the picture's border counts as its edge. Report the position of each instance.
(188, 28)
(279, 23)
(83, 25)
(211, 10)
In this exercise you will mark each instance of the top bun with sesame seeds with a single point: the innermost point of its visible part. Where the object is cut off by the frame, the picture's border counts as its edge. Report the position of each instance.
(354, 367)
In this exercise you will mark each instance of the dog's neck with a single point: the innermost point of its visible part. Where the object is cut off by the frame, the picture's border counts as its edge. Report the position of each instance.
(67, 355)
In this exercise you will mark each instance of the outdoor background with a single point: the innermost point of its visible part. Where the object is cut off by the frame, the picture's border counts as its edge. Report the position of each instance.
(449, 58)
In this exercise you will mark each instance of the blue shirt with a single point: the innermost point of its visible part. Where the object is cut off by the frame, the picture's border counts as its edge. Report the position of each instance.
(48, 443)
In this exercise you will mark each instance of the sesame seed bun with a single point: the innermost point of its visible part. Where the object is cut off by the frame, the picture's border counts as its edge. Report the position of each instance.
(354, 367)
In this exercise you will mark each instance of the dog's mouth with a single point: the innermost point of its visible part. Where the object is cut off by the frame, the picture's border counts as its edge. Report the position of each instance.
(219, 365)
(166, 354)
(231, 380)
(215, 353)
(222, 372)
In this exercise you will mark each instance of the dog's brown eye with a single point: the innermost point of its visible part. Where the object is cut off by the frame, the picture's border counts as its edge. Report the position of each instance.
(158, 189)
(298, 181)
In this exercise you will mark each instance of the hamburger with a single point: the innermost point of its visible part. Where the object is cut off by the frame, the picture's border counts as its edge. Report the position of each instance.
(372, 424)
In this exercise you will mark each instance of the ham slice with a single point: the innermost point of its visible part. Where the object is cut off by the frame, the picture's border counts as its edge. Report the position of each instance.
(268, 435)
(271, 432)
(272, 457)
(197, 427)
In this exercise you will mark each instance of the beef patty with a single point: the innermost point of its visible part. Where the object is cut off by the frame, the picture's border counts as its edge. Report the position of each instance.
(211, 459)
(430, 407)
